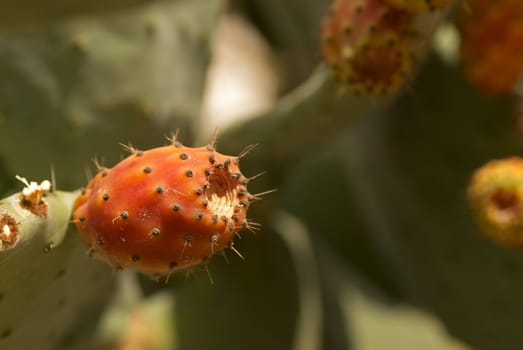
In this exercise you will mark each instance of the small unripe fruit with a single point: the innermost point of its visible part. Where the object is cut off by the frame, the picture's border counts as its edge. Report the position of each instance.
(496, 197)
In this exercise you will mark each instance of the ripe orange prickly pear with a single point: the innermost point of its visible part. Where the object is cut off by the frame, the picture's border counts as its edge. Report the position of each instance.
(164, 209)
(492, 44)
(367, 45)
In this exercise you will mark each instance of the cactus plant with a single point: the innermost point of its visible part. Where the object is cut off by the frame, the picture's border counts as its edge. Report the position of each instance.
(42, 285)
(371, 231)
(51, 294)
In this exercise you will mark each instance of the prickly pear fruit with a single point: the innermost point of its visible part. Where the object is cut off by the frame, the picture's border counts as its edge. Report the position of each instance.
(419, 5)
(496, 197)
(164, 209)
(492, 44)
(367, 45)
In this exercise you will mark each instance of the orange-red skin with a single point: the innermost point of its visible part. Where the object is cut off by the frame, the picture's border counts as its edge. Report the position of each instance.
(187, 236)
(492, 44)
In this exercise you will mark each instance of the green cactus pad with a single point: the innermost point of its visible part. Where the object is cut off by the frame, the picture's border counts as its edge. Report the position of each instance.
(49, 291)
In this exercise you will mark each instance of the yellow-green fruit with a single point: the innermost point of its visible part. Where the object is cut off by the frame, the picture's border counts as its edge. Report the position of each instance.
(496, 197)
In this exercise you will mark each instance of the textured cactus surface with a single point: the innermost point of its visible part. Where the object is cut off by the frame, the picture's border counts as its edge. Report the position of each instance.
(47, 281)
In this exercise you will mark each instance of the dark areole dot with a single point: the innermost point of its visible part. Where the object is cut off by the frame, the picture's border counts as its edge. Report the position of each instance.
(155, 232)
